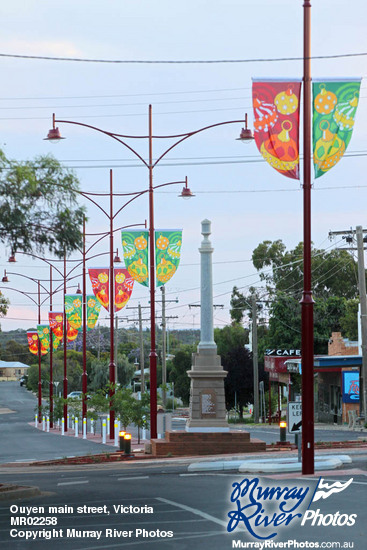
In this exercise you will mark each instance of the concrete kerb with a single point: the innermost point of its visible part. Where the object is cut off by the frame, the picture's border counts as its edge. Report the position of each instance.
(270, 465)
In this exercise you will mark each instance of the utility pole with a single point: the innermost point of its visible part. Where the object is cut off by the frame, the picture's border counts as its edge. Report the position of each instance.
(255, 359)
(363, 301)
(348, 236)
(164, 319)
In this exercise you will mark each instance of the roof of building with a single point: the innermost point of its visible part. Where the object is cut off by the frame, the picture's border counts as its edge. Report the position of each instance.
(13, 365)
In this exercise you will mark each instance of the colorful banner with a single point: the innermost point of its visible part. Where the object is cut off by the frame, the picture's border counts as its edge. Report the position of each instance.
(99, 277)
(32, 337)
(73, 310)
(124, 284)
(71, 332)
(135, 247)
(56, 320)
(167, 253)
(44, 336)
(276, 107)
(93, 309)
(55, 341)
(334, 109)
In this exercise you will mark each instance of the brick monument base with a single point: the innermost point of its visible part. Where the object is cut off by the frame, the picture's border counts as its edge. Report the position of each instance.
(182, 443)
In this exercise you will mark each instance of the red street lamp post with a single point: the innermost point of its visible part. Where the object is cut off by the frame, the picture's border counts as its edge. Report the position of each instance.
(38, 303)
(54, 135)
(113, 259)
(64, 276)
(307, 300)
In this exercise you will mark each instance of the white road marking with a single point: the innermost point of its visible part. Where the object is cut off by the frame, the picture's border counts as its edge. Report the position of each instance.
(127, 478)
(73, 482)
(193, 511)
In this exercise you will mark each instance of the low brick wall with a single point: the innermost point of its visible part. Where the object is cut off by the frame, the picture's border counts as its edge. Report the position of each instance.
(183, 443)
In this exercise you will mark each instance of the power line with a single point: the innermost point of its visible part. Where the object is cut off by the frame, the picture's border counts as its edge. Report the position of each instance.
(177, 62)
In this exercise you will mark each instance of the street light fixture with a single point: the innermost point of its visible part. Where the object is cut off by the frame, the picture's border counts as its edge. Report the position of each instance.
(186, 192)
(54, 134)
(246, 135)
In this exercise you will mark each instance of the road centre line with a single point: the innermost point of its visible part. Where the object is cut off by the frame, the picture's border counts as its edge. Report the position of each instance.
(72, 482)
(193, 511)
(127, 478)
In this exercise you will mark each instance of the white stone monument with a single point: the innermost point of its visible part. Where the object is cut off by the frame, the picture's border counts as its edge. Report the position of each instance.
(207, 400)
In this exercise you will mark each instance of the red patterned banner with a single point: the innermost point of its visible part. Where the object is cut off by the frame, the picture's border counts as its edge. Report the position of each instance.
(124, 285)
(99, 277)
(276, 124)
(33, 342)
(71, 332)
(56, 320)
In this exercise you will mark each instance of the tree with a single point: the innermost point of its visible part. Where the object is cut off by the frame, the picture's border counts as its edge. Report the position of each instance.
(14, 351)
(177, 369)
(334, 286)
(334, 271)
(123, 404)
(38, 206)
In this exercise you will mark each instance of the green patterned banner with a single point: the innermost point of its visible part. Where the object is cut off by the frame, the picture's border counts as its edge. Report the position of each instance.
(93, 310)
(167, 254)
(44, 336)
(334, 109)
(55, 341)
(73, 310)
(135, 247)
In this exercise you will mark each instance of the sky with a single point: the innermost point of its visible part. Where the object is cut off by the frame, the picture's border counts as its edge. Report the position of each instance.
(244, 198)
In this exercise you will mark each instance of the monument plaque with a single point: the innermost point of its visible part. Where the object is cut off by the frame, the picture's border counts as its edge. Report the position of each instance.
(208, 404)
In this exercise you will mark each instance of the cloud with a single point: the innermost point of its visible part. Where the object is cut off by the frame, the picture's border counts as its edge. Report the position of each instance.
(43, 48)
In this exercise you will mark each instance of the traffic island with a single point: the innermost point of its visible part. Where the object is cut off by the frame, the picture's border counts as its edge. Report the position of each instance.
(12, 492)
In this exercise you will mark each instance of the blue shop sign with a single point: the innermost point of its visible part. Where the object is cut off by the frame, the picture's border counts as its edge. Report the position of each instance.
(351, 387)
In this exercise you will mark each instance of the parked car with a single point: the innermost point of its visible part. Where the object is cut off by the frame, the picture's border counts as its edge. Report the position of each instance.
(77, 395)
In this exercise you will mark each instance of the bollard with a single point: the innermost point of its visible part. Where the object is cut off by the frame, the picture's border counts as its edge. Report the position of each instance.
(283, 431)
(62, 426)
(68, 422)
(116, 441)
(143, 433)
(122, 441)
(84, 428)
(36, 421)
(104, 432)
(58, 422)
(43, 423)
(108, 425)
(127, 443)
(92, 426)
(76, 426)
(48, 424)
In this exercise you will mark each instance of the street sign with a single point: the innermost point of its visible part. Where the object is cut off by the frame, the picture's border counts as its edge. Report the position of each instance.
(294, 417)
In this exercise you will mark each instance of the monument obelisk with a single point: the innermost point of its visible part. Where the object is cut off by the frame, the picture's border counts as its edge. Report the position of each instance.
(207, 400)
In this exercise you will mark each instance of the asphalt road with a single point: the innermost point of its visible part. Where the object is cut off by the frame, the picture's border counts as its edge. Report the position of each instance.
(20, 442)
(193, 507)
